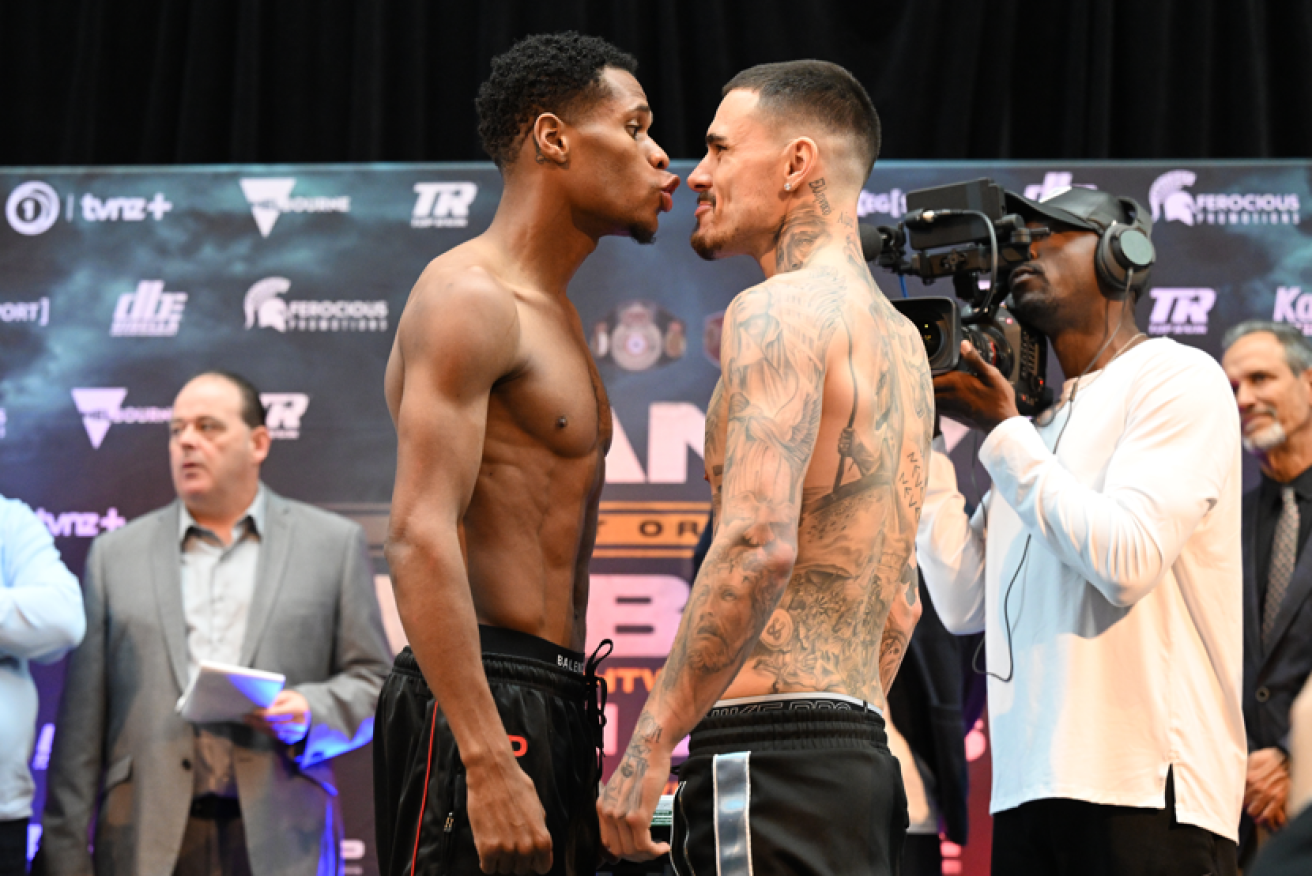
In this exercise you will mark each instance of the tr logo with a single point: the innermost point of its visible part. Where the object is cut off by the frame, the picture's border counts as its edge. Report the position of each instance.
(443, 204)
(1180, 311)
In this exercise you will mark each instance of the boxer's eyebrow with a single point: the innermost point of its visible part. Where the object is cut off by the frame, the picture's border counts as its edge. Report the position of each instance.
(713, 139)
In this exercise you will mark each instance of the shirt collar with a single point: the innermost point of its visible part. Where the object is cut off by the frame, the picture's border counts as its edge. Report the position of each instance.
(255, 512)
(1302, 485)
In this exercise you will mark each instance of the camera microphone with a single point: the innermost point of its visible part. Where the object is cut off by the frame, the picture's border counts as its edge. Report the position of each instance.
(872, 241)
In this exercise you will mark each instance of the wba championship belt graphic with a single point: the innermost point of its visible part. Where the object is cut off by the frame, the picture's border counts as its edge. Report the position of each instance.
(638, 335)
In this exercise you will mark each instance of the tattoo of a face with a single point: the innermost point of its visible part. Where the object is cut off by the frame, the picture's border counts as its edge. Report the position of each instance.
(798, 236)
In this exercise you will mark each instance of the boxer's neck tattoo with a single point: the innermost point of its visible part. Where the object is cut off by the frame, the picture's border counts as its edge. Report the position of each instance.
(818, 189)
(800, 233)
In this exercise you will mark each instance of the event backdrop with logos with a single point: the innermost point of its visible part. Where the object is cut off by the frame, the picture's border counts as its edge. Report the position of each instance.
(117, 284)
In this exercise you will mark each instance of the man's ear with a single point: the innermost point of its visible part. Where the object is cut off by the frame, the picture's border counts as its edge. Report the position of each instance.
(261, 441)
(550, 141)
(801, 158)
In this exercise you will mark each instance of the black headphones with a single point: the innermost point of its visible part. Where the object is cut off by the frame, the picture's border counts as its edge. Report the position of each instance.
(1125, 254)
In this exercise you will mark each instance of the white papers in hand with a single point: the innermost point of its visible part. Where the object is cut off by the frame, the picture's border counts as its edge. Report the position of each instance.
(221, 692)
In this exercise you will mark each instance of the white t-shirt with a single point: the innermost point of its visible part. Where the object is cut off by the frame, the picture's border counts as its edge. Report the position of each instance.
(1127, 616)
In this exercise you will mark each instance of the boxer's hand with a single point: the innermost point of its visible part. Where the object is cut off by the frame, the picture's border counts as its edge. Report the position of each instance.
(506, 817)
(626, 807)
(287, 718)
(983, 401)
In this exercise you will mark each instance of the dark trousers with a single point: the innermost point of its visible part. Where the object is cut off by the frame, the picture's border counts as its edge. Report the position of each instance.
(1075, 838)
(214, 843)
(13, 847)
(922, 855)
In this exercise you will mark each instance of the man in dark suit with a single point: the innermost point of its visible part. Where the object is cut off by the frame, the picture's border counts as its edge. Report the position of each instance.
(1270, 367)
(230, 573)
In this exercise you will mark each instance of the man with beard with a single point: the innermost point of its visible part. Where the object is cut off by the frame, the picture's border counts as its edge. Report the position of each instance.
(816, 439)
(488, 736)
(1270, 367)
(1104, 567)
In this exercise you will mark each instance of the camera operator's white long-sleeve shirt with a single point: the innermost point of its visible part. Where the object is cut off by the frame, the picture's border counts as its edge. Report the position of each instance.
(1126, 618)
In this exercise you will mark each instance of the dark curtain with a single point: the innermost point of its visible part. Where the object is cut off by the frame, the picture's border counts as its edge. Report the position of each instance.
(204, 81)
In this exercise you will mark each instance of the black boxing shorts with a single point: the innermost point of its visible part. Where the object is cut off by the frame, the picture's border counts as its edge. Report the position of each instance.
(551, 703)
(789, 784)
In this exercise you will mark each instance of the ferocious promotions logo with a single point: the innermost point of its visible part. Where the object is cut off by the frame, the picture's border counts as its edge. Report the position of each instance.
(266, 308)
(102, 407)
(1169, 201)
(80, 524)
(443, 204)
(270, 198)
(1180, 311)
(283, 412)
(36, 312)
(149, 312)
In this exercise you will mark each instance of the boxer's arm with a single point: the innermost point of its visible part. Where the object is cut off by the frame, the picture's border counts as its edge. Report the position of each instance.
(459, 335)
(772, 388)
(903, 615)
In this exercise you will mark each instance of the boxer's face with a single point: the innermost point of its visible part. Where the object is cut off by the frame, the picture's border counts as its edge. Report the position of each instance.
(622, 184)
(739, 184)
(1274, 402)
(213, 454)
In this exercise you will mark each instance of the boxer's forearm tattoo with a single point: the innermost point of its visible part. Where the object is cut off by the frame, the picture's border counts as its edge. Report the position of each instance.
(626, 784)
(892, 648)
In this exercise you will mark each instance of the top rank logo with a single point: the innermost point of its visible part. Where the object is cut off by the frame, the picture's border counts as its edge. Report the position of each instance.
(1180, 311)
(270, 198)
(1054, 182)
(150, 312)
(1169, 200)
(443, 205)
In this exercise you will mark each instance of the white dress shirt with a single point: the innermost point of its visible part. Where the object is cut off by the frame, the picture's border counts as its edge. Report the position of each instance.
(1126, 616)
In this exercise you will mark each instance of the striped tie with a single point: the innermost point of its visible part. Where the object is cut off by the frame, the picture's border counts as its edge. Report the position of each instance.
(1284, 552)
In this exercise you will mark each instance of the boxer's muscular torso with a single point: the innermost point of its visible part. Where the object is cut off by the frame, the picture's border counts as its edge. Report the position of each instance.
(528, 529)
(857, 528)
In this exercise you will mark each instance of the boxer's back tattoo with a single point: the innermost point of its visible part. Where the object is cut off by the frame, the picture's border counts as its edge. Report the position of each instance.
(825, 388)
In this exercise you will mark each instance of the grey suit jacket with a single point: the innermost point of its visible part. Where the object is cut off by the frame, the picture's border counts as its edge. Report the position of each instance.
(123, 757)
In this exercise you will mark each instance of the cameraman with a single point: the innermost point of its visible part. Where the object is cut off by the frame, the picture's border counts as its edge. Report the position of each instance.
(1104, 566)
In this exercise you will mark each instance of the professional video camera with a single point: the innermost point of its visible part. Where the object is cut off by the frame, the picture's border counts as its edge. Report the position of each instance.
(963, 231)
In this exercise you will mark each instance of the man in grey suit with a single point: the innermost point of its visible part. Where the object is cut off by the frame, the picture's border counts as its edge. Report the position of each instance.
(232, 573)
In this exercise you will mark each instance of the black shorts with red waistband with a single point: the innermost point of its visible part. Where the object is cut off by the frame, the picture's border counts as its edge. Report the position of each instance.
(551, 703)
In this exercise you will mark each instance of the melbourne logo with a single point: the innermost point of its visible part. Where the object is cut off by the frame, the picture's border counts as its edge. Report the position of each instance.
(102, 407)
(283, 412)
(1169, 201)
(1180, 311)
(32, 208)
(80, 524)
(266, 308)
(1294, 306)
(443, 205)
(1054, 182)
(150, 312)
(37, 312)
(892, 203)
(270, 198)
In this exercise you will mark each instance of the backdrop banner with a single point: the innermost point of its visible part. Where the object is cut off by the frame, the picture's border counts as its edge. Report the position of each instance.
(116, 285)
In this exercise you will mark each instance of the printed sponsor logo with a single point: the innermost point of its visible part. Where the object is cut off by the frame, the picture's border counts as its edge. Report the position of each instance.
(150, 312)
(4, 420)
(32, 208)
(265, 308)
(891, 203)
(1169, 201)
(26, 311)
(283, 412)
(270, 198)
(80, 524)
(1180, 311)
(443, 204)
(124, 209)
(102, 407)
(1294, 306)
(1054, 183)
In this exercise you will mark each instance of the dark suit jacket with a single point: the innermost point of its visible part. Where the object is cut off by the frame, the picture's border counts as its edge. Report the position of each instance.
(123, 756)
(1272, 680)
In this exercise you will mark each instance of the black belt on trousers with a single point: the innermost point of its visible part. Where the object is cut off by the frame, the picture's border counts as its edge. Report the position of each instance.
(212, 807)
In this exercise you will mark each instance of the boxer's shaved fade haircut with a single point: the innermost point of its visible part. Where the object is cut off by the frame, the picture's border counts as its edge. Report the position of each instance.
(816, 92)
(557, 73)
